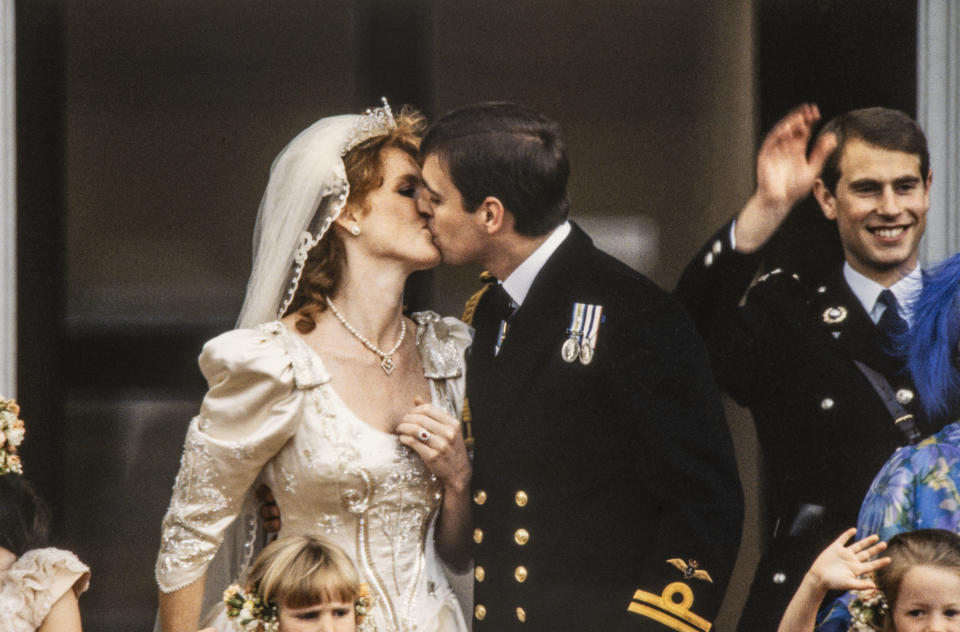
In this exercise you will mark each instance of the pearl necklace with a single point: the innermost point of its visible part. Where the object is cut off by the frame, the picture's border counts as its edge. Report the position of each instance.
(386, 357)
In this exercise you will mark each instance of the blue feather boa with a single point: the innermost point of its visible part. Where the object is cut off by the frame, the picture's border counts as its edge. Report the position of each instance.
(931, 344)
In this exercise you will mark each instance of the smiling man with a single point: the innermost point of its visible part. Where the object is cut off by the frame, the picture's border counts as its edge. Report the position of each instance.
(829, 401)
(604, 486)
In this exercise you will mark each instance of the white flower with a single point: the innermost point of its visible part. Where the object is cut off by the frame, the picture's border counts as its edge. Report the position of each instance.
(15, 435)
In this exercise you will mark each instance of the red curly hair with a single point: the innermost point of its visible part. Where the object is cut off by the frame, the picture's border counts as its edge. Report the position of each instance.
(324, 266)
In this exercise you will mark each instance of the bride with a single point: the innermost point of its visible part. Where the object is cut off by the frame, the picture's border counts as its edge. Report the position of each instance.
(344, 407)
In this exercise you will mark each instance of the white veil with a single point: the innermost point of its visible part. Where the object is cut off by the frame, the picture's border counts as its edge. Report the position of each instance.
(307, 191)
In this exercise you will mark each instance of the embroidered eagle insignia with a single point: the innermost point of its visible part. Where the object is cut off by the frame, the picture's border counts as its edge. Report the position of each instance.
(690, 568)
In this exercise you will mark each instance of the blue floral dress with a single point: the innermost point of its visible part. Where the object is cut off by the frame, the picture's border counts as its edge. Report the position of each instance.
(917, 488)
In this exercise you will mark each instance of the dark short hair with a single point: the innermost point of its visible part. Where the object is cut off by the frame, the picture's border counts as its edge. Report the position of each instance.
(881, 127)
(24, 516)
(507, 151)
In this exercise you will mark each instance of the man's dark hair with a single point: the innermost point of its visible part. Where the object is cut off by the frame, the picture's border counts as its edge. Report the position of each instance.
(507, 151)
(881, 127)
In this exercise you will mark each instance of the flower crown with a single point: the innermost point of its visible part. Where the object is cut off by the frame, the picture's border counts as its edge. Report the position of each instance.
(252, 613)
(11, 435)
(867, 610)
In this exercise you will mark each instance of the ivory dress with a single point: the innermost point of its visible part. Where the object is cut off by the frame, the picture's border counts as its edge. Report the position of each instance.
(34, 582)
(272, 415)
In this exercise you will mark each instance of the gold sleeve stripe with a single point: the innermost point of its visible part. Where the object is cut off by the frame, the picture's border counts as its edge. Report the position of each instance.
(660, 617)
(665, 609)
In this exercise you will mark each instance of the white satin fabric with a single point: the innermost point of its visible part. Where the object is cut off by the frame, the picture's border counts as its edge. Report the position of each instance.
(34, 582)
(272, 414)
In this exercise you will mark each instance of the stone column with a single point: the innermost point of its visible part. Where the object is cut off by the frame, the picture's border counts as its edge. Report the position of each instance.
(8, 203)
(938, 112)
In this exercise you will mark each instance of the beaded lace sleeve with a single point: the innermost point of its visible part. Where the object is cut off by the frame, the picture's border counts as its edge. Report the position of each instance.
(443, 342)
(252, 408)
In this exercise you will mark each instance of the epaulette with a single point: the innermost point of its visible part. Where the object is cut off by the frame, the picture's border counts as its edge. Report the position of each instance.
(471, 305)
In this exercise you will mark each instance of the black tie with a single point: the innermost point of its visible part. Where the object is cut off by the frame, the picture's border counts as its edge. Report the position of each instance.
(501, 305)
(891, 326)
(501, 308)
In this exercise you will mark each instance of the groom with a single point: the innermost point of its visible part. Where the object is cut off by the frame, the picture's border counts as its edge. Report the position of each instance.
(605, 490)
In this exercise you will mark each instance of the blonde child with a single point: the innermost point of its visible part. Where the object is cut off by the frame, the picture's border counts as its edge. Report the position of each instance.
(299, 584)
(915, 587)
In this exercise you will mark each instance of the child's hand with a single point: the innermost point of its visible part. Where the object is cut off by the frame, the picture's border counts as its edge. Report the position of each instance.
(842, 567)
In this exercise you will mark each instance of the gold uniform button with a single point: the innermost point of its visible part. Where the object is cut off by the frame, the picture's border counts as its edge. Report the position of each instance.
(480, 612)
(521, 536)
(521, 615)
(479, 496)
(479, 573)
(520, 574)
(478, 535)
(521, 498)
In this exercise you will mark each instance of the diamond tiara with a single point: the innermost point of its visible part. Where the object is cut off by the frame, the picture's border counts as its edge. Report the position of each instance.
(373, 122)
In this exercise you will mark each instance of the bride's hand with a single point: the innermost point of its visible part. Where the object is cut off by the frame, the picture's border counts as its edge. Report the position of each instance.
(435, 435)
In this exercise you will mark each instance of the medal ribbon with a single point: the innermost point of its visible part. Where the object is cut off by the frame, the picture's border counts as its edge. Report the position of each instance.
(594, 317)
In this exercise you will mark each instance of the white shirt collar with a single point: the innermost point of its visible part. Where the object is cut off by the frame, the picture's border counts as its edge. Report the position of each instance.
(518, 283)
(868, 291)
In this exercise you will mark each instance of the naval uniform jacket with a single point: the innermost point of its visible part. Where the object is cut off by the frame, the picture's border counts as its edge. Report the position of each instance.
(787, 352)
(589, 477)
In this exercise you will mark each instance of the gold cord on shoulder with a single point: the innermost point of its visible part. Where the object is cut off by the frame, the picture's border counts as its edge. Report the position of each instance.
(471, 305)
(467, 425)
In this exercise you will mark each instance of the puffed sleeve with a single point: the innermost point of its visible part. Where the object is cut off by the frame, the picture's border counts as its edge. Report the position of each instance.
(35, 582)
(253, 406)
(443, 342)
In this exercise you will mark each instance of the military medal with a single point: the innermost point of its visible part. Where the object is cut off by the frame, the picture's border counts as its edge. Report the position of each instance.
(594, 315)
(570, 350)
(581, 339)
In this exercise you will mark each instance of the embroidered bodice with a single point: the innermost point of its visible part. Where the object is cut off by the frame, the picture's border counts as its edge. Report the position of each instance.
(34, 582)
(272, 414)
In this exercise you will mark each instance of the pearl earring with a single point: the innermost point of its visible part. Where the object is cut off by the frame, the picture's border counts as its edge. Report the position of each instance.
(355, 230)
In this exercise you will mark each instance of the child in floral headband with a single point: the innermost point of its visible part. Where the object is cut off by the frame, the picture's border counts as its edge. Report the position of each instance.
(39, 585)
(299, 584)
(915, 588)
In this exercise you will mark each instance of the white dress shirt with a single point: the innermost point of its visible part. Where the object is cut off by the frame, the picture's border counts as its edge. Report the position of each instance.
(868, 291)
(518, 283)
